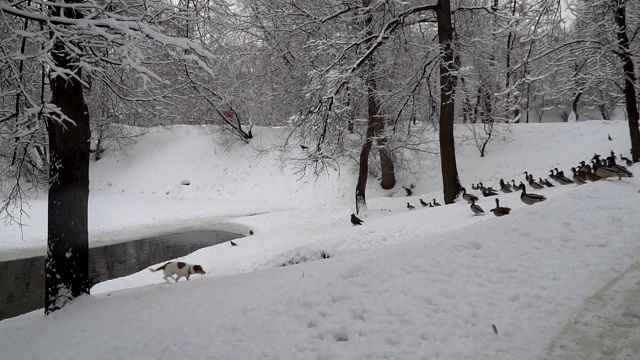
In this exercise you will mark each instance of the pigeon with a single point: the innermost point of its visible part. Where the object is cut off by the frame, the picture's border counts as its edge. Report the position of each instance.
(423, 203)
(250, 232)
(409, 191)
(410, 207)
(232, 243)
(609, 136)
(304, 147)
(355, 220)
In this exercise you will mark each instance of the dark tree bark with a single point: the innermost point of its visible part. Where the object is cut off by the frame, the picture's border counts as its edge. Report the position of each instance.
(448, 79)
(375, 129)
(67, 260)
(629, 77)
(574, 104)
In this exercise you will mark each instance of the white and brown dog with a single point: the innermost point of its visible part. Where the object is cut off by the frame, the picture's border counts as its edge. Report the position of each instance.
(179, 268)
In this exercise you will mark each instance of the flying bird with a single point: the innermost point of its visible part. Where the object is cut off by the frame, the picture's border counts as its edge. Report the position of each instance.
(355, 220)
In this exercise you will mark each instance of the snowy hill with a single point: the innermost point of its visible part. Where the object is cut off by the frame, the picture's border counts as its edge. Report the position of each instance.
(544, 282)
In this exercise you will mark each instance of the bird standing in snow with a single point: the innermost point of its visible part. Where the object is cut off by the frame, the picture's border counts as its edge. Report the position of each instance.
(355, 220)
(475, 208)
(410, 207)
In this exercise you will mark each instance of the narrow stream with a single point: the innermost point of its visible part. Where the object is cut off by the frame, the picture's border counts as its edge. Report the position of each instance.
(22, 281)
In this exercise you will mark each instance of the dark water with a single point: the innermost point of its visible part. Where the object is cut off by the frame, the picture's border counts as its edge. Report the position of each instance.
(22, 281)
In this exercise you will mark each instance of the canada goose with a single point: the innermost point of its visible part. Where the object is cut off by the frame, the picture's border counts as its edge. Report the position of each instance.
(476, 208)
(577, 178)
(504, 187)
(435, 203)
(591, 175)
(552, 175)
(468, 197)
(535, 185)
(546, 182)
(528, 177)
(611, 162)
(410, 207)
(626, 160)
(530, 199)
(500, 210)
(423, 203)
(605, 171)
(560, 178)
(487, 191)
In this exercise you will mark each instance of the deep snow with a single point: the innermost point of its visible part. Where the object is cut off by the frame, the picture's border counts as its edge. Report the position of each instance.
(555, 280)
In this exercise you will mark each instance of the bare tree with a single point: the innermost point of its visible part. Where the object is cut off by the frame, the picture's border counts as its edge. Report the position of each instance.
(84, 39)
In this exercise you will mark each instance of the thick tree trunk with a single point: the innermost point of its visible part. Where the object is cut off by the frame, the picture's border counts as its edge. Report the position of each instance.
(67, 260)
(448, 77)
(629, 78)
(363, 174)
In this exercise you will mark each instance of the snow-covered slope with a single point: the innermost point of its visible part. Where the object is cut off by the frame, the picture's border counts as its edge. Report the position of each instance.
(428, 283)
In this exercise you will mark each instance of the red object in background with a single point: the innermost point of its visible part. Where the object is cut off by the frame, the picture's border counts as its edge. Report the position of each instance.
(228, 114)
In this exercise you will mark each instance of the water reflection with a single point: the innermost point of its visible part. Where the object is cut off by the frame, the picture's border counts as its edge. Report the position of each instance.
(22, 281)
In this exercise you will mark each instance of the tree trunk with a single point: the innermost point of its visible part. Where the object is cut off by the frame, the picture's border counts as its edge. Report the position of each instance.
(629, 78)
(448, 78)
(574, 104)
(375, 129)
(67, 260)
(363, 174)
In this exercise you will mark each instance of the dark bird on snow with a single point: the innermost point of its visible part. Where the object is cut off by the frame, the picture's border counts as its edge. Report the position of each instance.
(250, 232)
(546, 182)
(304, 147)
(423, 203)
(626, 160)
(410, 207)
(232, 243)
(530, 199)
(355, 220)
(476, 208)
(468, 197)
(609, 137)
(504, 187)
(500, 210)
(435, 203)
(409, 191)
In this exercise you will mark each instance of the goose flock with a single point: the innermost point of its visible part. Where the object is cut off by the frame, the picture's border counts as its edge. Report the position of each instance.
(597, 169)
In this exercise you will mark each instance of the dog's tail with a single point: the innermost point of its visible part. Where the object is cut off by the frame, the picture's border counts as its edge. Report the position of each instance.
(160, 268)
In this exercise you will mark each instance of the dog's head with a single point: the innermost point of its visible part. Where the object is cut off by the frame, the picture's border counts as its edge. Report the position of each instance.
(197, 269)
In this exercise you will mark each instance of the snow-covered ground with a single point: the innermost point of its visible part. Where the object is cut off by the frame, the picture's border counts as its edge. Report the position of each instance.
(555, 280)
